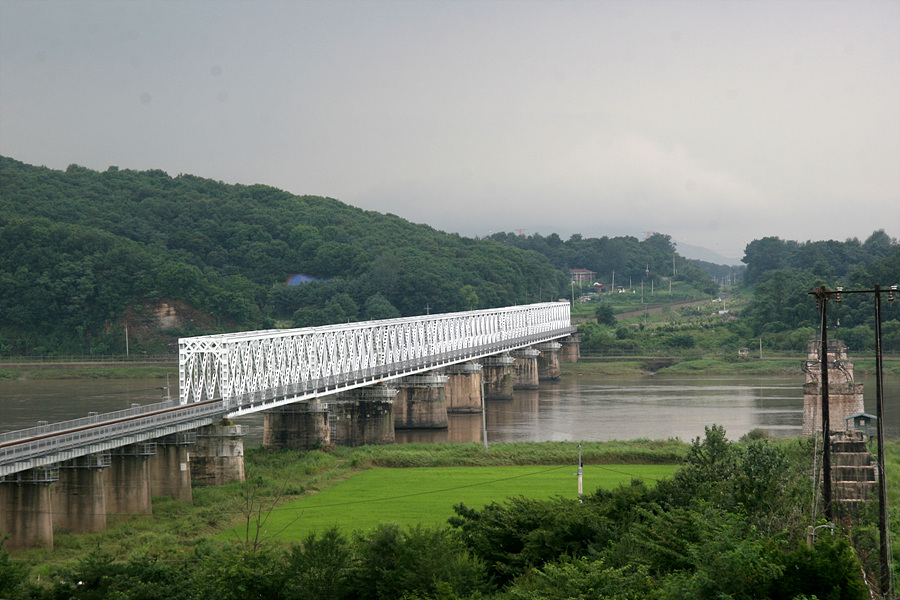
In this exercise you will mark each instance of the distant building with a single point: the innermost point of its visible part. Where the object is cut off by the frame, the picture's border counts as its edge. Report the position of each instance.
(582, 275)
(299, 278)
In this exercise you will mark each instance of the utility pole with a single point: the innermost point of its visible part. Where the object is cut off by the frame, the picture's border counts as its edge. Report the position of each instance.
(822, 295)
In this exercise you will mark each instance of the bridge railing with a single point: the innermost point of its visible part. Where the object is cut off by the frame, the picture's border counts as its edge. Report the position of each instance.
(51, 443)
(251, 367)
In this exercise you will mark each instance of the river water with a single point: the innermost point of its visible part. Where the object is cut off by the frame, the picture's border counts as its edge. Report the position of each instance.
(580, 408)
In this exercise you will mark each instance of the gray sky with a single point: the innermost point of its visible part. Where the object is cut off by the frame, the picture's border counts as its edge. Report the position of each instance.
(716, 122)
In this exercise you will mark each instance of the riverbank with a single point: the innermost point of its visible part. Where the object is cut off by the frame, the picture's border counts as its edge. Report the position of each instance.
(693, 366)
(612, 366)
(277, 478)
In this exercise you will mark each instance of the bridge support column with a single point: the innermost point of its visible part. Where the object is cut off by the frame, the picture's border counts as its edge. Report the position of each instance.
(170, 469)
(548, 360)
(497, 374)
(298, 426)
(363, 416)
(525, 369)
(421, 402)
(128, 480)
(218, 457)
(571, 349)
(26, 509)
(79, 497)
(464, 393)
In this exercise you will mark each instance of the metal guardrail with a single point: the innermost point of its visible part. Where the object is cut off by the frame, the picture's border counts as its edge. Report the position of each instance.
(56, 442)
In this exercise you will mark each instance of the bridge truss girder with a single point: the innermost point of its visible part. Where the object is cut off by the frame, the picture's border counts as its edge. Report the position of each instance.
(256, 370)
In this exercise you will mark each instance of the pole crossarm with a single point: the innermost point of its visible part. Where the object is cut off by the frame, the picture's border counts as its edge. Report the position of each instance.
(260, 369)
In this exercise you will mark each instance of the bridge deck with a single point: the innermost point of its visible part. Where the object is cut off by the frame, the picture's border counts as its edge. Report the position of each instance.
(233, 374)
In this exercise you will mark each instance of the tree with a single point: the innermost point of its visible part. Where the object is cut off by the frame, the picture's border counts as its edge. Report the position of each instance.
(605, 315)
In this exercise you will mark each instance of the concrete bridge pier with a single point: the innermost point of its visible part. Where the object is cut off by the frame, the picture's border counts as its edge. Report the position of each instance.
(525, 369)
(497, 373)
(298, 426)
(421, 402)
(26, 516)
(218, 457)
(363, 416)
(79, 497)
(845, 398)
(464, 393)
(571, 349)
(170, 468)
(548, 360)
(128, 480)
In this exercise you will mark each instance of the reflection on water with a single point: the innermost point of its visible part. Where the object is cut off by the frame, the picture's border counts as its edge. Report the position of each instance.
(584, 408)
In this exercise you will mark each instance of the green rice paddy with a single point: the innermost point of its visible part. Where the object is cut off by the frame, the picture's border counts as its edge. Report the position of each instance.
(426, 496)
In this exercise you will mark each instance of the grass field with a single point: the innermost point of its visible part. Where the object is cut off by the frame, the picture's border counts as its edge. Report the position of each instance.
(426, 496)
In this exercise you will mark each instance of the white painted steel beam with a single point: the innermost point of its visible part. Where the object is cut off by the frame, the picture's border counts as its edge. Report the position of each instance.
(256, 370)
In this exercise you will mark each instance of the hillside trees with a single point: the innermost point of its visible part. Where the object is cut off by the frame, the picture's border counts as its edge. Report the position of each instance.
(784, 273)
(654, 257)
(99, 242)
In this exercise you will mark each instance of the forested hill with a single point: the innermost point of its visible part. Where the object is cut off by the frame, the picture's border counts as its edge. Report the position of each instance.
(85, 254)
(82, 251)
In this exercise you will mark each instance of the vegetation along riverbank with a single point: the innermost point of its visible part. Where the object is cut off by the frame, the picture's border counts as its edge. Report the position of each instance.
(713, 518)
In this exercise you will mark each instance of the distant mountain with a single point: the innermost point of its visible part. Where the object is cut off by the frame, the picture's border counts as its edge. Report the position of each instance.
(705, 254)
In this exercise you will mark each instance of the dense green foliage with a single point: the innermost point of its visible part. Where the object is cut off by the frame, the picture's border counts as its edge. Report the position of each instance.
(78, 248)
(730, 524)
(784, 272)
(621, 258)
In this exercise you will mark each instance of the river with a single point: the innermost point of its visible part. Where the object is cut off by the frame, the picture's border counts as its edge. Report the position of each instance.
(582, 408)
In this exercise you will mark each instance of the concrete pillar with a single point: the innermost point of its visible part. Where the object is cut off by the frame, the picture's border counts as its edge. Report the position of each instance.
(525, 369)
(128, 480)
(548, 360)
(170, 469)
(218, 457)
(464, 393)
(845, 398)
(26, 518)
(497, 374)
(571, 349)
(298, 426)
(79, 497)
(363, 416)
(421, 402)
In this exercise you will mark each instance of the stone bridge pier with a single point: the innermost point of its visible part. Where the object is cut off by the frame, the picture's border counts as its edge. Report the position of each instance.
(421, 402)
(170, 468)
(79, 497)
(298, 426)
(218, 456)
(525, 369)
(497, 373)
(26, 508)
(128, 480)
(363, 416)
(570, 350)
(548, 361)
(464, 394)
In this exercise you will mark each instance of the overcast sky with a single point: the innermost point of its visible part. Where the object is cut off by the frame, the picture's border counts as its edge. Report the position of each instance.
(716, 122)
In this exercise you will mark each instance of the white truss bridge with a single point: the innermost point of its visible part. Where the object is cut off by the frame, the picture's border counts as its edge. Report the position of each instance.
(239, 373)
